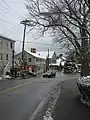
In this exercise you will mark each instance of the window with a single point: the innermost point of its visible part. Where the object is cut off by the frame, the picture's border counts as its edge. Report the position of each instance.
(29, 59)
(1, 56)
(7, 44)
(6, 56)
(19, 60)
(11, 44)
(37, 59)
(1, 42)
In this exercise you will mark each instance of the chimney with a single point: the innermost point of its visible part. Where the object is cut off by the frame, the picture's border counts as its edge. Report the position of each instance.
(33, 50)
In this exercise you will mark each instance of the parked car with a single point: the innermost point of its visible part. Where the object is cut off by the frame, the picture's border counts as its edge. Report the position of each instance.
(49, 74)
(68, 67)
(27, 73)
(78, 68)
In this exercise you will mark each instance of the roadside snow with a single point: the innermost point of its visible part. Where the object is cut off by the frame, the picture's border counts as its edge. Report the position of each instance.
(0, 78)
(48, 116)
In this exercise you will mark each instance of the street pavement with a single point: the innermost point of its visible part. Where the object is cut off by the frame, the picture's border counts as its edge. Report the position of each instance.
(69, 106)
(5, 84)
(20, 100)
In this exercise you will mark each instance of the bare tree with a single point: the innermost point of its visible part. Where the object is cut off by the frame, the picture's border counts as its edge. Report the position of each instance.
(68, 19)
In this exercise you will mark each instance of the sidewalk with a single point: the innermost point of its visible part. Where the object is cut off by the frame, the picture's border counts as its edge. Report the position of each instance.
(68, 106)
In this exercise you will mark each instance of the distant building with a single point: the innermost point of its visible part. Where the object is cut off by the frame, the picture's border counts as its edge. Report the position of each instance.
(59, 63)
(7, 45)
(52, 56)
(33, 61)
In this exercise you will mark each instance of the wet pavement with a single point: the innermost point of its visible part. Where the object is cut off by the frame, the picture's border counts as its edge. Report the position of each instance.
(19, 104)
(68, 106)
(5, 84)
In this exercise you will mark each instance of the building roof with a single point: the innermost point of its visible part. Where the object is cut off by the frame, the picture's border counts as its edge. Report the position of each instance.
(44, 54)
(6, 38)
(35, 54)
(58, 61)
(31, 53)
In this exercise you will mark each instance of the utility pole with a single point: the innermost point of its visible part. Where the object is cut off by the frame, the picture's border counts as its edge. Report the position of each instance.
(13, 58)
(12, 69)
(25, 23)
(47, 61)
(23, 41)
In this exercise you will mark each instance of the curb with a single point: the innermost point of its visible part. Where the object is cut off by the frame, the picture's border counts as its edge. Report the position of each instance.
(48, 107)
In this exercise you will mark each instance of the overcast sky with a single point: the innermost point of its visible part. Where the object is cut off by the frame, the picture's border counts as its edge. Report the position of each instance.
(10, 18)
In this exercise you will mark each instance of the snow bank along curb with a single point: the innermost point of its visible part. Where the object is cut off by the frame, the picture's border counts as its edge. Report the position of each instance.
(47, 105)
(41, 105)
(83, 85)
(51, 106)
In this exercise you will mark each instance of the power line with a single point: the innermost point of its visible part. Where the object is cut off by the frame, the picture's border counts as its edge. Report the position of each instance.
(7, 17)
(6, 21)
(33, 42)
(12, 29)
(11, 8)
(9, 12)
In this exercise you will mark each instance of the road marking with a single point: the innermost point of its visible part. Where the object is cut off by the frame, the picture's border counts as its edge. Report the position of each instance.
(38, 109)
(13, 88)
(42, 104)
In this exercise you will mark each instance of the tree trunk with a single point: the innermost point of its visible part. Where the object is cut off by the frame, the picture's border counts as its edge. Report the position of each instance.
(85, 67)
(84, 53)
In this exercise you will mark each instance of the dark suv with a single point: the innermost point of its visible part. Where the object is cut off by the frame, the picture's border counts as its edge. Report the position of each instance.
(49, 74)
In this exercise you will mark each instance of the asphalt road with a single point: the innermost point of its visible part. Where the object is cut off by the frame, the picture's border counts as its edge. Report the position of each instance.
(19, 101)
(69, 106)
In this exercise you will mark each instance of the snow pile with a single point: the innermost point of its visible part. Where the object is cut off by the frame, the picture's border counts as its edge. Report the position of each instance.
(0, 78)
(48, 116)
(84, 80)
(7, 77)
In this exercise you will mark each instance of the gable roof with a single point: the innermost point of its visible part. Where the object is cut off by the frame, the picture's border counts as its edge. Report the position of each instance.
(58, 61)
(32, 54)
(44, 54)
(6, 38)
(35, 54)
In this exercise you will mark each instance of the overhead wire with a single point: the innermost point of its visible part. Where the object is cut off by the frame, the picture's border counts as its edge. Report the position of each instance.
(38, 43)
(12, 29)
(7, 16)
(6, 10)
(32, 42)
(11, 8)
(6, 21)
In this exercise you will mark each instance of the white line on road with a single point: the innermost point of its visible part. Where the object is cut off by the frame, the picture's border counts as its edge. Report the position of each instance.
(38, 109)
(13, 88)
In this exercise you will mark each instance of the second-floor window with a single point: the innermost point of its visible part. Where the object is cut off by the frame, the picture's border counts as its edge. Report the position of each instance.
(37, 59)
(29, 59)
(11, 45)
(7, 44)
(1, 56)
(6, 56)
(1, 42)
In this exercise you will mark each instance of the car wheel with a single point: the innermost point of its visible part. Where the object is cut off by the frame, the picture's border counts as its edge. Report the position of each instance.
(43, 76)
